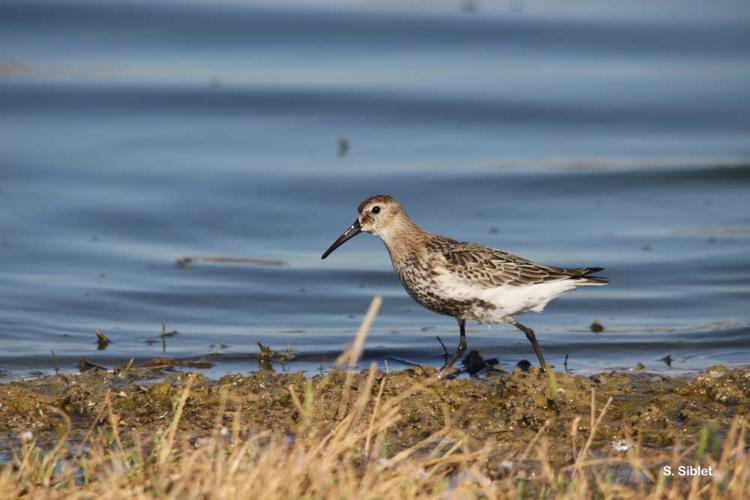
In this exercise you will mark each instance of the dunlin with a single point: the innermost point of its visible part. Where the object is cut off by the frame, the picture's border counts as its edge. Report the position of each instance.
(468, 281)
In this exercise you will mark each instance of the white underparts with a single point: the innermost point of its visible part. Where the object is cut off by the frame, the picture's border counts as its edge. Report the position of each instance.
(505, 300)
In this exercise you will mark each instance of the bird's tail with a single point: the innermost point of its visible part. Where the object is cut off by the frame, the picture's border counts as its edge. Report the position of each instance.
(583, 275)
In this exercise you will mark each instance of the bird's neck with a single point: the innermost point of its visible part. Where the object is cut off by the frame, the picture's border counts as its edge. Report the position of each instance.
(402, 237)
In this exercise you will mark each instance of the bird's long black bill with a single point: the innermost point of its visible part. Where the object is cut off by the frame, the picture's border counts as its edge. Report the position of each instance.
(350, 233)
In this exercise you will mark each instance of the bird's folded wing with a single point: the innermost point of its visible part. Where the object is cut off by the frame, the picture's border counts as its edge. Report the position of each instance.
(490, 268)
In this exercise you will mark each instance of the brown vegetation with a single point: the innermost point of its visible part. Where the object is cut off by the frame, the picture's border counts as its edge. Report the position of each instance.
(374, 435)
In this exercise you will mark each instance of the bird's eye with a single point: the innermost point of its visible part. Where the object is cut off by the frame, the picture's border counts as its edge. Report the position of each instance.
(375, 209)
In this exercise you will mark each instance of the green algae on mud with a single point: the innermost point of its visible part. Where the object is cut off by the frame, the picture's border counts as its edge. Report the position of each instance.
(504, 411)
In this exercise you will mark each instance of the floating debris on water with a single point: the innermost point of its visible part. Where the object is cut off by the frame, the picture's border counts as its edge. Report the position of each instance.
(186, 262)
(122, 371)
(167, 333)
(221, 345)
(85, 365)
(667, 360)
(54, 360)
(101, 340)
(170, 364)
(343, 146)
(596, 326)
(266, 355)
(158, 363)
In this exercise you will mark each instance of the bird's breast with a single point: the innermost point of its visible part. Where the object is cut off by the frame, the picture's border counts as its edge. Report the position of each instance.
(421, 281)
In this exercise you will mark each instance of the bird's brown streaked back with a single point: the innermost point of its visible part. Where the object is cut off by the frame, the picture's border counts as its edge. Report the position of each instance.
(491, 268)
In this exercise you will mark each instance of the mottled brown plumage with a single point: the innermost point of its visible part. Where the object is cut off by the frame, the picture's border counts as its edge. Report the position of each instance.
(464, 280)
(491, 268)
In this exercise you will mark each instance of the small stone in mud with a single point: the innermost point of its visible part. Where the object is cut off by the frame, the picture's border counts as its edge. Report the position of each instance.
(474, 363)
(596, 326)
(523, 365)
(620, 445)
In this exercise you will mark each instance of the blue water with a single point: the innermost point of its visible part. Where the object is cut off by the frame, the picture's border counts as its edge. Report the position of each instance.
(135, 134)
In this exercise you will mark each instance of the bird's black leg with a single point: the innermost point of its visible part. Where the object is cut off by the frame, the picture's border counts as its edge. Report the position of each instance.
(459, 351)
(446, 354)
(532, 338)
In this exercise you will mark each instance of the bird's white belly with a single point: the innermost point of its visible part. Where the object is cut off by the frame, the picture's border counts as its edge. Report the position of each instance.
(503, 301)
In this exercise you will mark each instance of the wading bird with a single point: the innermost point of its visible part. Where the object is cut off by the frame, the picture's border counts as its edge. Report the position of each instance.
(468, 281)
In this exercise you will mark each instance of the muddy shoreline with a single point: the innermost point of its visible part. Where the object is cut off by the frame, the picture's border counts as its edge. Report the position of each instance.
(505, 410)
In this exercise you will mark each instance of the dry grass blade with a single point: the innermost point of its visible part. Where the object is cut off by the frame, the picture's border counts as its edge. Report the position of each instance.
(352, 355)
(374, 415)
(533, 442)
(592, 432)
(166, 447)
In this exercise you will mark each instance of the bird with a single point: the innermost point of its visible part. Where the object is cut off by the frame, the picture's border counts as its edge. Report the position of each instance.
(467, 281)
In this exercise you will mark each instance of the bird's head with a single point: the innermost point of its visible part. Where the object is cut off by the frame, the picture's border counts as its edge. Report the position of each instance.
(378, 215)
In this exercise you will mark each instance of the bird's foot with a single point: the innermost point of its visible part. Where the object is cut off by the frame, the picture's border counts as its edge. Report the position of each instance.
(448, 372)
